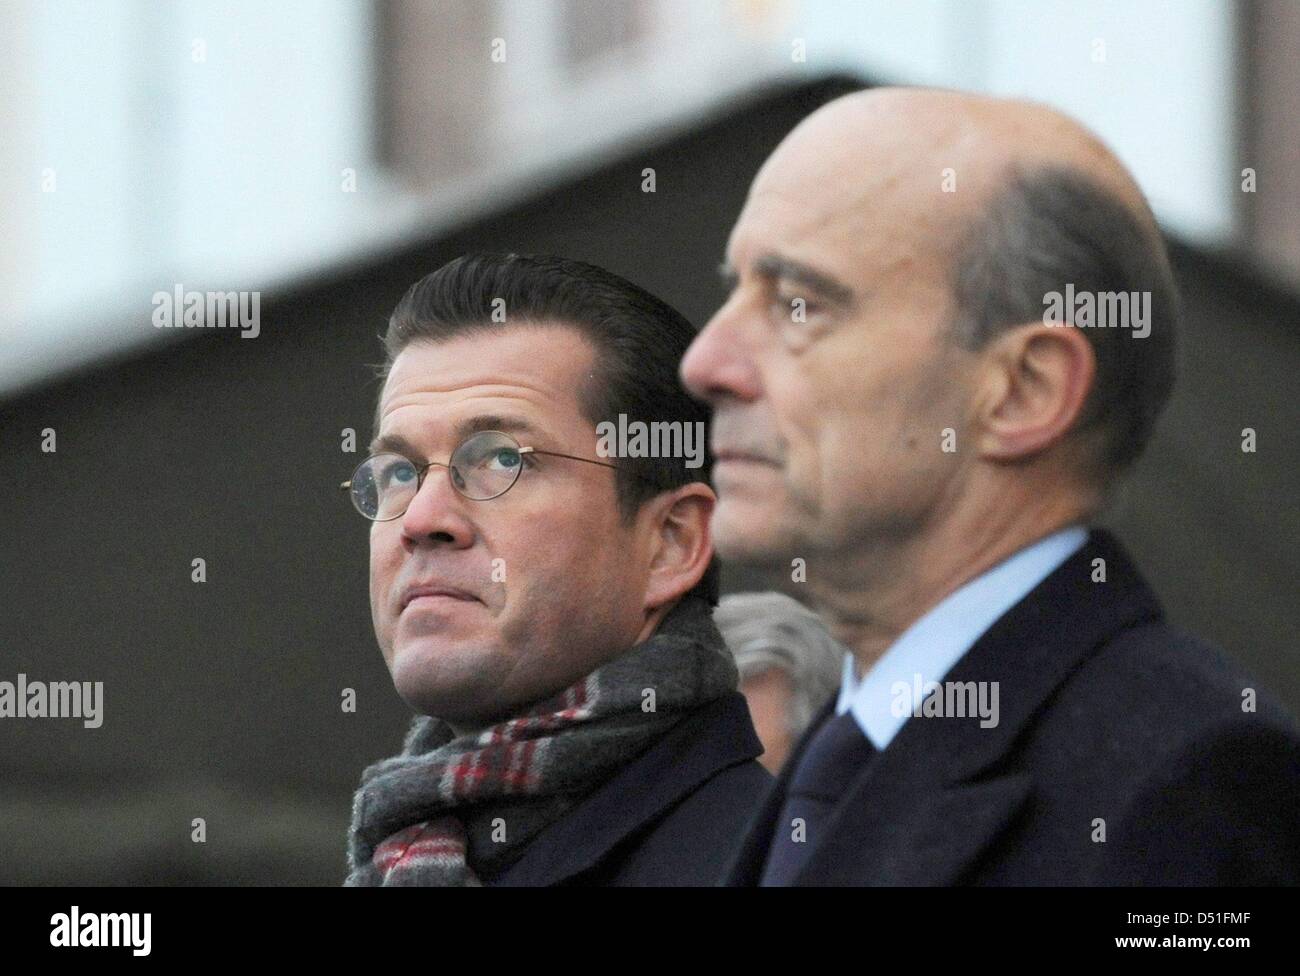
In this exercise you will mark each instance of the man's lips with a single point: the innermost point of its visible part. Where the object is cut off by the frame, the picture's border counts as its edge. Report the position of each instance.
(418, 590)
(725, 455)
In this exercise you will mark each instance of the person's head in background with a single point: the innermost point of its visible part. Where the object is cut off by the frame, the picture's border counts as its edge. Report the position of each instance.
(575, 563)
(789, 665)
(890, 402)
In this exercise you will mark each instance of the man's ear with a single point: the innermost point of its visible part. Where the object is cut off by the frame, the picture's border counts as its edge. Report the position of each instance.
(1034, 382)
(681, 543)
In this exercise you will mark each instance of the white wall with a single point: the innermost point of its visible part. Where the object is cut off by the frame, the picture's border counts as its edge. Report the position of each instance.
(204, 143)
(187, 142)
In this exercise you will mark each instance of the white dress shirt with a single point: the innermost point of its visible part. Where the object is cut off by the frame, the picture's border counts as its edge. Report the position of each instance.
(929, 648)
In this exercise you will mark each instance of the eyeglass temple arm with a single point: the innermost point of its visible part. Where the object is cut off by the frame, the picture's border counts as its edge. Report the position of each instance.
(603, 464)
(571, 457)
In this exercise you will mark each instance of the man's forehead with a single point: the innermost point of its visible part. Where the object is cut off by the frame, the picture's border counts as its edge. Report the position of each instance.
(842, 234)
(855, 208)
(534, 356)
(794, 215)
(535, 373)
(845, 150)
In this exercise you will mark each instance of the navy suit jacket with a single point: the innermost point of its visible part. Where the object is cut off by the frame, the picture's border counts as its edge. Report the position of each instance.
(1113, 725)
(671, 816)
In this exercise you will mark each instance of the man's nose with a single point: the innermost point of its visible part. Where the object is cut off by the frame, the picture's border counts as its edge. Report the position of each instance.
(718, 364)
(438, 514)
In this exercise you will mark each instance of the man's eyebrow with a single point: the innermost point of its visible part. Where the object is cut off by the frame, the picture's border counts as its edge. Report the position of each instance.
(509, 424)
(462, 429)
(395, 443)
(775, 267)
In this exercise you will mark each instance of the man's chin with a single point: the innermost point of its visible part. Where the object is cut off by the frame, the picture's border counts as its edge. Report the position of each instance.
(748, 533)
(453, 680)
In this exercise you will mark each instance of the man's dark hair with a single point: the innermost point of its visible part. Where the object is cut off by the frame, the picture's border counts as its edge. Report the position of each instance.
(639, 343)
(1054, 226)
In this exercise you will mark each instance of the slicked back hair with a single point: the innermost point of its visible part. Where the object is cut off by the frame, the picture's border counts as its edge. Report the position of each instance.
(639, 342)
(1053, 226)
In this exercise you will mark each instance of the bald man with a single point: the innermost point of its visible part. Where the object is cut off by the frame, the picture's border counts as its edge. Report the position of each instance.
(950, 330)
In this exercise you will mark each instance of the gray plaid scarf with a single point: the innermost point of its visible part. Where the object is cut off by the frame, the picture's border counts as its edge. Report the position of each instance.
(451, 810)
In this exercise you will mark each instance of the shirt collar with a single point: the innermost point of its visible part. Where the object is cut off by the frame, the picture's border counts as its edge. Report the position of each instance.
(929, 648)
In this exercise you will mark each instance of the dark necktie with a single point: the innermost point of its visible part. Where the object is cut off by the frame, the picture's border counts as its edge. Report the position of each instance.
(834, 756)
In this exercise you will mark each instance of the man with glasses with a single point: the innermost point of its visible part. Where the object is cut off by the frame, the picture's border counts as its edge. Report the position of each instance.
(546, 610)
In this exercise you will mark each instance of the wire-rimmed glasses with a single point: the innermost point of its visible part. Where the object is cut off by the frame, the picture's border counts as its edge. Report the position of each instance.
(486, 465)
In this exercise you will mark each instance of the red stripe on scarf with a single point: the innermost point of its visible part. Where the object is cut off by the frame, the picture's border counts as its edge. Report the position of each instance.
(422, 841)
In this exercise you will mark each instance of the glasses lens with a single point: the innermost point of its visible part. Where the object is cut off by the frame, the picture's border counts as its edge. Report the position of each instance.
(486, 465)
(383, 486)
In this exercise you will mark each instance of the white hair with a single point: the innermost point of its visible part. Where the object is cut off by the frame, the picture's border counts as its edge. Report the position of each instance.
(767, 631)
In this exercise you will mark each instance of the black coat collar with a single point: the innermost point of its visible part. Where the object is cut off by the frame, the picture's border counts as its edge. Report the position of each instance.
(715, 737)
(922, 811)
